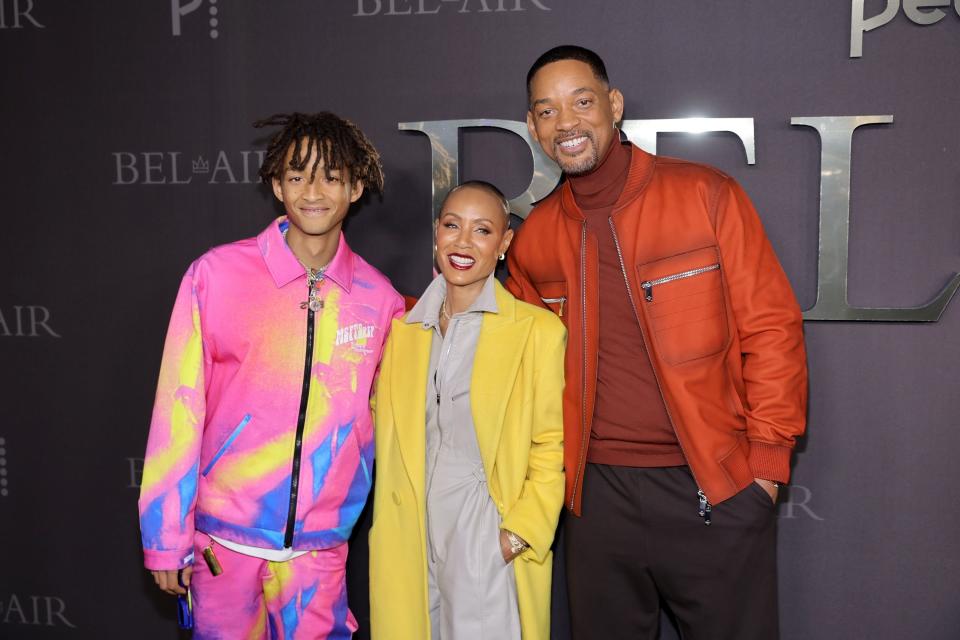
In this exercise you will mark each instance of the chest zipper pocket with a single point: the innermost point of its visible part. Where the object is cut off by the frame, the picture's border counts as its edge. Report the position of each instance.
(648, 285)
(226, 444)
(562, 300)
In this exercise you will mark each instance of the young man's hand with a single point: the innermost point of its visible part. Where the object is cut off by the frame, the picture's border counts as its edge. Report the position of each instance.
(167, 580)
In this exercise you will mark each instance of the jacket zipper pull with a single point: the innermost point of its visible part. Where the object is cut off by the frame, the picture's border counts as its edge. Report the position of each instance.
(647, 291)
(306, 303)
(560, 311)
(705, 507)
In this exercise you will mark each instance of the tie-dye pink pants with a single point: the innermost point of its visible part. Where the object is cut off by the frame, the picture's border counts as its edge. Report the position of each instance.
(256, 599)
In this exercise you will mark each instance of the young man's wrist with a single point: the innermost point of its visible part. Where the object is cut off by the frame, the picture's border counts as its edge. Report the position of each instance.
(167, 560)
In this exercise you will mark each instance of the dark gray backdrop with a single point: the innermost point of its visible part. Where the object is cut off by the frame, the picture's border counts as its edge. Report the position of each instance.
(90, 264)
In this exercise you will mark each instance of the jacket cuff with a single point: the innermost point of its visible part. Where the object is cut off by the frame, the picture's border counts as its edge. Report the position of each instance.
(167, 560)
(770, 461)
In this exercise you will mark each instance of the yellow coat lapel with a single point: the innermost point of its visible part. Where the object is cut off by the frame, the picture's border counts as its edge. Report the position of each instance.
(495, 367)
(408, 393)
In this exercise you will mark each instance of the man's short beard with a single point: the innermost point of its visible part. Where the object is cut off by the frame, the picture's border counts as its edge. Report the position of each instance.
(588, 164)
(579, 167)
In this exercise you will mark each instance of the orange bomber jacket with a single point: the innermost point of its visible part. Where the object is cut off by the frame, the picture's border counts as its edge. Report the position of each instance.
(719, 319)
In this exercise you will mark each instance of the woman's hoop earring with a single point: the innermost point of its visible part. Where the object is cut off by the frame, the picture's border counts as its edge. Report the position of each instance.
(503, 256)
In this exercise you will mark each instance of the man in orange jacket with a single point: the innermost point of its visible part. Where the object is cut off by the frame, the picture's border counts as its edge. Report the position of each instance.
(685, 371)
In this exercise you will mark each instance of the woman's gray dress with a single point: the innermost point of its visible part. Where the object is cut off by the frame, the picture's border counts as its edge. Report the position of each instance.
(473, 593)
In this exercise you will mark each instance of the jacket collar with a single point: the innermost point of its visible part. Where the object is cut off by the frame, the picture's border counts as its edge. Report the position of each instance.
(427, 309)
(284, 266)
(641, 170)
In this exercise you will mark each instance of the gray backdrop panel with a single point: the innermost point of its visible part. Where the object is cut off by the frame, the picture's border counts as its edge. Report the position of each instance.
(90, 263)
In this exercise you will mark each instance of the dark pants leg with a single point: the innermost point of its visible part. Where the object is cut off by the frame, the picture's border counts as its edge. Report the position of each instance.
(640, 539)
(609, 582)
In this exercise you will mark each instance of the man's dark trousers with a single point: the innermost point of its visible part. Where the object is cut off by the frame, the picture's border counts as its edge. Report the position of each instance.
(641, 540)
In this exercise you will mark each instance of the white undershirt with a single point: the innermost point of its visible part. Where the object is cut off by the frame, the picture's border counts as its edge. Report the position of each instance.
(273, 555)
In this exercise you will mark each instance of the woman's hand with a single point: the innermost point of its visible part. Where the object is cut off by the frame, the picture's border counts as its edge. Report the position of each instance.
(506, 548)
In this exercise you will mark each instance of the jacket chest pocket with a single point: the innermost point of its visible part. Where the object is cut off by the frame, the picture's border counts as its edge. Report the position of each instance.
(553, 295)
(226, 445)
(682, 296)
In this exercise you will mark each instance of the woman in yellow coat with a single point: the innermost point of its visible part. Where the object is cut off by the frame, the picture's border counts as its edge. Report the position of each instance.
(469, 447)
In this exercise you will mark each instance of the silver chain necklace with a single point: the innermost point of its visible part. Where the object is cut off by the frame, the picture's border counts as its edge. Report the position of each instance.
(314, 276)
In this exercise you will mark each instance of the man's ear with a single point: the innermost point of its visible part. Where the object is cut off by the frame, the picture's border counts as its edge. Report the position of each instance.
(277, 188)
(616, 105)
(356, 191)
(530, 128)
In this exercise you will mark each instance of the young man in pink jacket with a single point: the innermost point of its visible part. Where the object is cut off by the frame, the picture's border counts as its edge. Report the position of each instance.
(260, 448)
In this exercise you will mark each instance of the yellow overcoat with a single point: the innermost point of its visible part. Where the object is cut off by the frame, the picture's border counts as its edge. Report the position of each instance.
(515, 395)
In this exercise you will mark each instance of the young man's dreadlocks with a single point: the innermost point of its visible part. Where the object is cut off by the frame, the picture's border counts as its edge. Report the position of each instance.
(341, 146)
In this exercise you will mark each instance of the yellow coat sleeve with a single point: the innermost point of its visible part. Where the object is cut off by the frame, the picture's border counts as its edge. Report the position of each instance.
(535, 514)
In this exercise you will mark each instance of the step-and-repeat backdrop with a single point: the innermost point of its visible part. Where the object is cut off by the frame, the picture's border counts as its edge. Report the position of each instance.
(127, 151)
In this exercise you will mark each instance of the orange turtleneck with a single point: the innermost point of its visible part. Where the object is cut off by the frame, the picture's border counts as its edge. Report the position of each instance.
(630, 423)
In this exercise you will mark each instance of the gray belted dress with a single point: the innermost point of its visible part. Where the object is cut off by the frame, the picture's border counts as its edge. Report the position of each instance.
(473, 593)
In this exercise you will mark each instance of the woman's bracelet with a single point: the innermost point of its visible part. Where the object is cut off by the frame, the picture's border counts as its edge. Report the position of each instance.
(517, 544)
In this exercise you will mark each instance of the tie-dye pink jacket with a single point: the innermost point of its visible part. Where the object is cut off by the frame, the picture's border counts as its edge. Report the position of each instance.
(245, 403)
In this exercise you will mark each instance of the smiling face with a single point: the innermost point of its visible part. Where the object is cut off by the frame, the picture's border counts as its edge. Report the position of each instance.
(317, 206)
(573, 115)
(472, 231)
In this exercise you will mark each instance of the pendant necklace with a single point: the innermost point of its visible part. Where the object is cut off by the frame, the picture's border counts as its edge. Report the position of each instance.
(314, 276)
